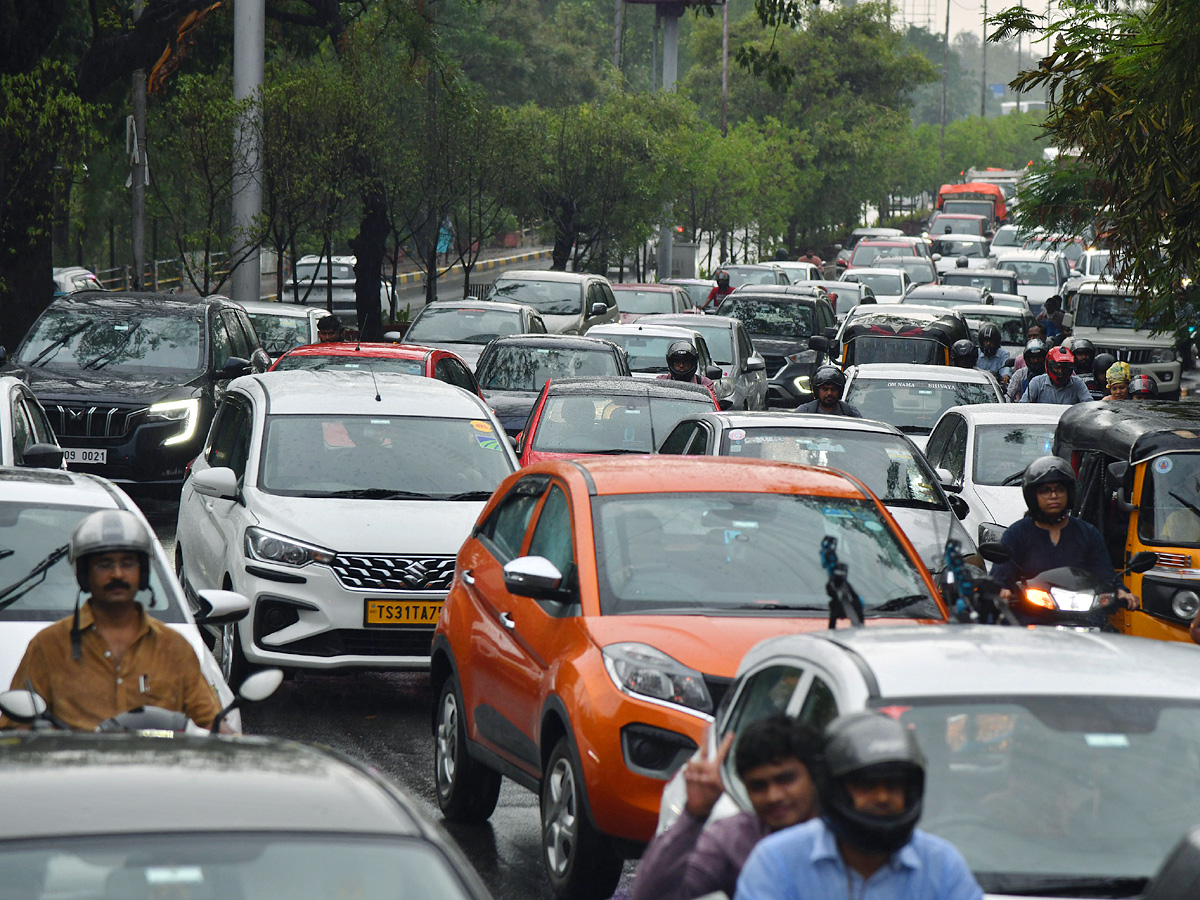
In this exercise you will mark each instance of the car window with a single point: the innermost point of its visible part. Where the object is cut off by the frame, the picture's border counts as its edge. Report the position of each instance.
(247, 327)
(504, 530)
(222, 347)
(451, 372)
(936, 445)
(22, 431)
(237, 338)
(43, 433)
(536, 325)
(764, 694)
(609, 298)
(820, 708)
(955, 457)
(552, 535)
(680, 438)
(745, 347)
(229, 441)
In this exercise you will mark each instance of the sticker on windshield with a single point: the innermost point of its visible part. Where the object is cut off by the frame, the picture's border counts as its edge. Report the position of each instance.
(480, 425)
(1106, 741)
(487, 442)
(837, 512)
(1163, 465)
(872, 525)
(898, 453)
(737, 434)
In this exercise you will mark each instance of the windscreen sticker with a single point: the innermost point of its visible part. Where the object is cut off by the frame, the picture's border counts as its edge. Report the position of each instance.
(836, 512)
(872, 525)
(898, 453)
(1163, 465)
(487, 442)
(1107, 741)
(480, 425)
(738, 434)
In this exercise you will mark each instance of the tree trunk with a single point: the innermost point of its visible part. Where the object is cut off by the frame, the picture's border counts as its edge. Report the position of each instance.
(369, 247)
(28, 287)
(564, 240)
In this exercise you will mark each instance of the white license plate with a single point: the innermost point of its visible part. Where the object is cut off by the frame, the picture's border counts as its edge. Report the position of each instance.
(85, 457)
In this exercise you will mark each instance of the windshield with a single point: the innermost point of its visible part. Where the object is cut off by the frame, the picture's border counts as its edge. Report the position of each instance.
(1099, 263)
(877, 349)
(1039, 274)
(956, 248)
(985, 208)
(612, 423)
(309, 271)
(913, 406)
(747, 275)
(884, 463)
(350, 363)
(946, 225)
(644, 302)
(529, 368)
(646, 353)
(1007, 236)
(333, 455)
(1012, 327)
(1003, 451)
(1044, 793)
(279, 334)
(865, 254)
(692, 552)
(1005, 284)
(1110, 311)
(1069, 247)
(551, 298)
(468, 325)
(698, 292)
(1170, 507)
(882, 283)
(766, 318)
(133, 342)
(919, 270)
(252, 866)
(31, 532)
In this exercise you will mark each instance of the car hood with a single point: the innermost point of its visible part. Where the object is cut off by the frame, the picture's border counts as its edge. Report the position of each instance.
(511, 407)
(562, 324)
(1002, 505)
(1125, 338)
(370, 526)
(468, 353)
(102, 386)
(928, 529)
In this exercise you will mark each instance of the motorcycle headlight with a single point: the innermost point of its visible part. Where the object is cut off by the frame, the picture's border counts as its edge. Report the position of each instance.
(283, 551)
(803, 384)
(642, 670)
(185, 412)
(1161, 355)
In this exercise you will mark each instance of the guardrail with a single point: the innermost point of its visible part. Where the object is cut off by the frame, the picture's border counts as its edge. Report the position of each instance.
(162, 275)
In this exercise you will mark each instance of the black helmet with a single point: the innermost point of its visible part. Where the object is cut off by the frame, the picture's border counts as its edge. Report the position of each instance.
(1100, 366)
(866, 745)
(682, 359)
(963, 353)
(1046, 470)
(961, 262)
(1035, 356)
(1143, 387)
(722, 278)
(989, 339)
(1085, 356)
(829, 375)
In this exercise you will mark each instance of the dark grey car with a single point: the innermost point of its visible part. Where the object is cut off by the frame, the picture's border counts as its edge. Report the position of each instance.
(742, 367)
(465, 327)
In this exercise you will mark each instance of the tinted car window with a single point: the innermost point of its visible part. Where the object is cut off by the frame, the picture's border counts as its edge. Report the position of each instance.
(222, 343)
(71, 338)
(762, 317)
(581, 424)
(550, 298)
(505, 527)
(280, 334)
(335, 362)
(471, 325)
(517, 368)
(229, 426)
(913, 405)
(552, 534)
(240, 344)
(646, 302)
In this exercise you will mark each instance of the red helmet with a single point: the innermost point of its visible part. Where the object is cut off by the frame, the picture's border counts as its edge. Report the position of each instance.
(1142, 387)
(1060, 365)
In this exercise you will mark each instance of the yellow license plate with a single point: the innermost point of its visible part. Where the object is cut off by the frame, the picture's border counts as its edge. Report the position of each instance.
(402, 612)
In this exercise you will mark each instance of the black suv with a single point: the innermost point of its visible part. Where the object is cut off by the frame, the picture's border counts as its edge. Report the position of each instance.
(130, 381)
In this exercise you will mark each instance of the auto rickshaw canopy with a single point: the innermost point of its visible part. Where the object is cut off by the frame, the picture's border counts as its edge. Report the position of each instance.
(1129, 430)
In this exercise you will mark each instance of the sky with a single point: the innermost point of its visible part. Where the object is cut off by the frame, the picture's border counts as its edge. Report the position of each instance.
(965, 15)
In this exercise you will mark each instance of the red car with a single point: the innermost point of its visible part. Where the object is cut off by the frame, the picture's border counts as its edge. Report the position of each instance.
(606, 416)
(637, 300)
(405, 359)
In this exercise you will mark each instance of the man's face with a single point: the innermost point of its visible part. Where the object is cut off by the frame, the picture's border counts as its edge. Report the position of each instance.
(828, 395)
(326, 336)
(1036, 362)
(782, 793)
(114, 577)
(1035, 331)
(877, 796)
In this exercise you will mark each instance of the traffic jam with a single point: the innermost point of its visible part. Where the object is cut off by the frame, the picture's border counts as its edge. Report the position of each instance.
(875, 578)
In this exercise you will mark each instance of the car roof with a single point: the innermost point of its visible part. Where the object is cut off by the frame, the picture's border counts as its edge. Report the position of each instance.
(542, 275)
(481, 305)
(628, 387)
(806, 421)
(360, 392)
(380, 351)
(132, 303)
(1002, 413)
(67, 784)
(681, 320)
(985, 273)
(897, 312)
(707, 282)
(946, 215)
(652, 329)
(1133, 432)
(658, 287)
(58, 487)
(980, 309)
(281, 309)
(946, 291)
(919, 372)
(314, 258)
(567, 341)
(1103, 286)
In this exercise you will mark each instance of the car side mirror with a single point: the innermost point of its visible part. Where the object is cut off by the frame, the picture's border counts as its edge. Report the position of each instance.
(830, 333)
(221, 607)
(837, 248)
(533, 576)
(220, 483)
(42, 456)
(598, 309)
(958, 506)
(1142, 562)
(1179, 876)
(22, 706)
(235, 367)
(1068, 320)
(725, 403)
(392, 337)
(818, 342)
(946, 480)
(937, 257)
(714, 372)
(994, 552)
(755, 363)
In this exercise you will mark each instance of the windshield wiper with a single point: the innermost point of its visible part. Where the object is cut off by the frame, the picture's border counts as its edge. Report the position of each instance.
(1195, 510)
(12, 593)
(1014, 478)
(105, 358)
(898, 603)
(911, 503)
(1065, 886)
(791, 607)
(467, 495)
(379, 494)
(37, 360)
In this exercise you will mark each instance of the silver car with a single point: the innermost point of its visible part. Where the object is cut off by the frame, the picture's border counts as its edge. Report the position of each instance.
(1061, 764)
(569, 302)
(743, 369)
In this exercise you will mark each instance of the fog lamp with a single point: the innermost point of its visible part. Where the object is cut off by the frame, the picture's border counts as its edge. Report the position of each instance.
(1185, 604)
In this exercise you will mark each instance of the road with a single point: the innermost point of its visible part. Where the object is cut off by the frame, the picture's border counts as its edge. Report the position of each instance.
(450, 286)
(383, 720)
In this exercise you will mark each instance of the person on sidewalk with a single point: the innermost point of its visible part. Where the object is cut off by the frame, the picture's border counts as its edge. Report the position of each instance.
(775, 760)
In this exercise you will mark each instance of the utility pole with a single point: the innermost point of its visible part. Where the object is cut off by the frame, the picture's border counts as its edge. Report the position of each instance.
(983, 87)
(945, 64)
(137, 175)
(671, 13)
(724, 65)
(249, 28)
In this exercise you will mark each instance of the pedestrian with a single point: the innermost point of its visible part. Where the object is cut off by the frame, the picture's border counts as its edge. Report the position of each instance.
(1051, 316)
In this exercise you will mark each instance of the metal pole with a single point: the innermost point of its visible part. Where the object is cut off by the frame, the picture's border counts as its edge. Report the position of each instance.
(137, 177)
(983, 87)
(249, 18)
(724, 65)
(945, 63)
(670, 16)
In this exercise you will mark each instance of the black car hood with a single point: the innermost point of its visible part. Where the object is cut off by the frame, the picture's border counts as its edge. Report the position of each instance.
(102, 386)
(511, 407)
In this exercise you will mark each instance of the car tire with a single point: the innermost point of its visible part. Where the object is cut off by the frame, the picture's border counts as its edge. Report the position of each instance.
(467, 791)
(580, 861)
(234, 665)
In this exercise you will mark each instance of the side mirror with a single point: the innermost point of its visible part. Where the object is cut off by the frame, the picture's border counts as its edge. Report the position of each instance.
(221, 608)
(1142, 562)
(42, 456)
(946, 480)
(22, 706)
(755, 363)
(393, 337)
(598, 309)
(1179, 877)
(1118, 470)
(837, 248)
(714, 372)
(258, 686)
(220, 483)
(958, 506)
(1068, 320)
(818, 342)
(235, 367)
(830, 333)
(533, 576)
(994, 552)
(937, 257)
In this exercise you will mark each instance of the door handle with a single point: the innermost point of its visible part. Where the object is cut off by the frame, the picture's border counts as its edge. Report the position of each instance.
(467, 577)
(507, 621)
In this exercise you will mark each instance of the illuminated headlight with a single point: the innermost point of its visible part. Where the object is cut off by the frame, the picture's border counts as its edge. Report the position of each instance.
(803, 384)
(990, 531)
(185, 412)
(1185, 604)
(642, 670)
(283, 551)
(1161, 355)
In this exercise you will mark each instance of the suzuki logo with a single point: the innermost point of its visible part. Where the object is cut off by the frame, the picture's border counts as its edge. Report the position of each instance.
(416, 575)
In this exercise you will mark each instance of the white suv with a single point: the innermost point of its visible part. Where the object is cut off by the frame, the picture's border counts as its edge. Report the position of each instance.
(1104, 314)
(337, 501)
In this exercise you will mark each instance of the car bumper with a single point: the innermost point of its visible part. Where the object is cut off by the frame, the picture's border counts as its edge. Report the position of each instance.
(141, 461)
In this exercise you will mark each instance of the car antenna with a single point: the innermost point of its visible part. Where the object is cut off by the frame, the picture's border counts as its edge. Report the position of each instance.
(371, 369)
(844, 602)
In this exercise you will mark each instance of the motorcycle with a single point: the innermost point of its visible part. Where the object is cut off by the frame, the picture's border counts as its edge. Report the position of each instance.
(26, 707)
(1067, 596)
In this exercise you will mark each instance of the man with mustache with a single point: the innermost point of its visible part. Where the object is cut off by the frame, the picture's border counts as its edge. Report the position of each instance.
(110, 656)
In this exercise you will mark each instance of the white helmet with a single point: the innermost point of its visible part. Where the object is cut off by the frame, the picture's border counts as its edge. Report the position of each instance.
(105, 532)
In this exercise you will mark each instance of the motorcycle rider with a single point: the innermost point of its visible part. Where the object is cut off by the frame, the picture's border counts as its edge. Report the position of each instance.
(865, 844)
(1143, 387)
(1033, 331)
(1048, 536)
(828, 383)
(1118, 378)
(964, 354)
(993, 358)
(1035, 359)
(682, 362)
(1084, 352)
(720, 292)
(1059, 384)
(110, 656)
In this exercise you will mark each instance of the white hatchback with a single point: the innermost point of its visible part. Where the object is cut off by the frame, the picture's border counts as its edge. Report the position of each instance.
(337, 501)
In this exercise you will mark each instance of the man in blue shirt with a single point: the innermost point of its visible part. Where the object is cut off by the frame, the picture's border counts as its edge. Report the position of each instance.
(1060, 384)
(865, 846)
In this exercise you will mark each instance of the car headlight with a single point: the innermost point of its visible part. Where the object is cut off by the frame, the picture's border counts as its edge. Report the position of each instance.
(990, 531)
(1161, 355)
(283, 551)
(186, 412)
(803, 384)
(642, 670)
(724, 387)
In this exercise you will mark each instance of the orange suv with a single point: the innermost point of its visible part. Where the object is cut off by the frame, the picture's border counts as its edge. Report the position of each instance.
(598, 614)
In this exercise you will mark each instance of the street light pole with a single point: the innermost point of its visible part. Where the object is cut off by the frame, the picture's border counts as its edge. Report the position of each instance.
(137, 174)
(249, 28)
(983, 87)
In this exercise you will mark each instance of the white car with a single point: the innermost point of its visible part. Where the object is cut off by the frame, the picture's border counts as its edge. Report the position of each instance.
(1041, 274)
(983, 450)
(646, 346)
(799, 271)
(952, 247)
(26, 436)
(1053, 758)
(889, 285)
(337, 501)
(39, 510)
(283, 326)
(913, 397)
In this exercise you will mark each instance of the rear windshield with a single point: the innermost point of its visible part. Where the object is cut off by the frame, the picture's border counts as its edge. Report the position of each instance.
(913, 406)
(469, 325)
(878, 349)
(611, 424)
(1033, 273)
(759, 317)
(279, 334)
(529, 368)
(350, 364)
(1004, 284)
(129, 342)
(644, 302)
(646, 353)
(956, 248)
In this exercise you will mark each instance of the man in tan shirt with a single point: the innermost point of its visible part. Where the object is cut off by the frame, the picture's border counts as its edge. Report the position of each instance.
(110, 656)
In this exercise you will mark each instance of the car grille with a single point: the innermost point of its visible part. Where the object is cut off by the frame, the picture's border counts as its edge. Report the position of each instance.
(394, 573)
(774, 363)
(415, 641)
(85, 420)
(1126, 355)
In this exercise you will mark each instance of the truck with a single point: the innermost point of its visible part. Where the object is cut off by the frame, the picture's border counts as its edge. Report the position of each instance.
(976, 198)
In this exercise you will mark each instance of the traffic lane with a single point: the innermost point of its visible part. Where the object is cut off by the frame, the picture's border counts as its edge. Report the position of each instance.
(450, 287)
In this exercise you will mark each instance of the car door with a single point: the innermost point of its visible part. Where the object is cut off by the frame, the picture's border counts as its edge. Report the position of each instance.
(260, 360)
(27, 408)
(754, 380)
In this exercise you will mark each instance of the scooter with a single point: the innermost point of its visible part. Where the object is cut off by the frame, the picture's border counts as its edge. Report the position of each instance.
(26, 707)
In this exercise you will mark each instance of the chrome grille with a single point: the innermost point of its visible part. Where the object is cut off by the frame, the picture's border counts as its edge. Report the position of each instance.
(1126, 355)
(84, 420)
(1175, 560)
(394, 573)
